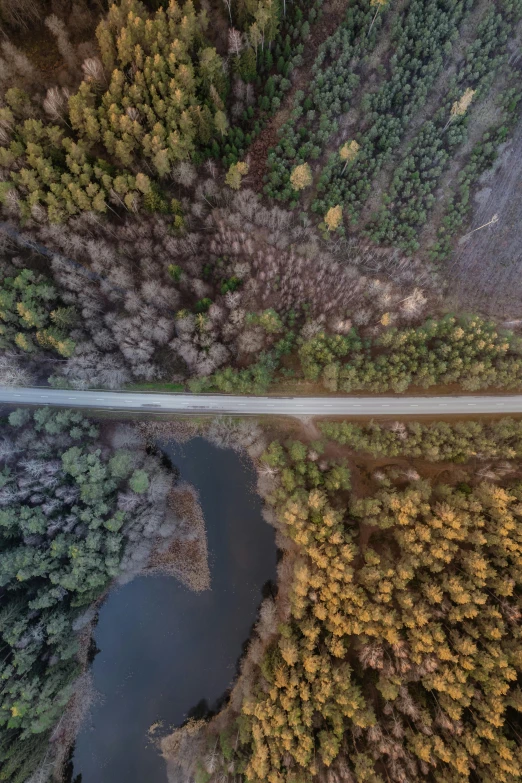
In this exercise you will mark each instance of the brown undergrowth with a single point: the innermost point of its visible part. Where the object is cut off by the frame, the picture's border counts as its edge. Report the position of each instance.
(184, 556)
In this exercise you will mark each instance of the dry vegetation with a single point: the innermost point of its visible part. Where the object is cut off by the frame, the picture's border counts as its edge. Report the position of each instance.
(185, 556)
(151, 305)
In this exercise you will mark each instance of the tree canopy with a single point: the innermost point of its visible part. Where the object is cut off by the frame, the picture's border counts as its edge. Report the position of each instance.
(69, 507)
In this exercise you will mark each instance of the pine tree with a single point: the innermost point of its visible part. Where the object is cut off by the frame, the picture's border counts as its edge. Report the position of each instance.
(248, 64)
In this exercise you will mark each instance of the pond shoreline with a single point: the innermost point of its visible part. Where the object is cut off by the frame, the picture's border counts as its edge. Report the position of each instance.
(236, 589)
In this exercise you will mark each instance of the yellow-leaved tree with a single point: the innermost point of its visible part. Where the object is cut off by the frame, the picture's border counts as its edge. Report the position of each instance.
(301, 177)
(378, 4)
(461, 106)
(348, 152)
(235, 174)
(333, 218)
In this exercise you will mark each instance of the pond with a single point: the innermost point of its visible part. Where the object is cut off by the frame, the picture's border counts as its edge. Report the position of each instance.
(163, 649)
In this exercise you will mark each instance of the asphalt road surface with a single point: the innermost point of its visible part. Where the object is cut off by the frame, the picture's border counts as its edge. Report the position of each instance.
(284, 406)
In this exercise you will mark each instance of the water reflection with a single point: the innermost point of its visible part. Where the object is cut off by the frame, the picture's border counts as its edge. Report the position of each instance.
(166, 651)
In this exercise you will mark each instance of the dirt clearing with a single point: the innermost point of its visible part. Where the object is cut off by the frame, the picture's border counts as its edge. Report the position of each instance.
(486, 268)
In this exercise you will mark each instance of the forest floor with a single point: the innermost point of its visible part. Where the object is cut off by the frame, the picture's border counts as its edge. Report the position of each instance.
(486, 268)
(41, 49)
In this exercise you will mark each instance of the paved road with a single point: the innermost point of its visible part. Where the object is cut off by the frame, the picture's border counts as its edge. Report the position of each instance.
(288, 406)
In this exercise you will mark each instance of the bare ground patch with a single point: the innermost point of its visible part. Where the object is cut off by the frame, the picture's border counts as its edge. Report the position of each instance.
(486, 115)
(486, 269)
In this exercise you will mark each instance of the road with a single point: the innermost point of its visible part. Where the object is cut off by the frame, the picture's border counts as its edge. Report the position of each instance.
(284, 406)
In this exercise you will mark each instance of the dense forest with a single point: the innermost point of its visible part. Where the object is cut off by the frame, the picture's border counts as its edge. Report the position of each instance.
(437, 441)
(139, 163)
(251, 196)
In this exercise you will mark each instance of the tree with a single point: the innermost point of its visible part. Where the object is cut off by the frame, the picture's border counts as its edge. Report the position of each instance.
(212, 71)
(270, 321)
(419, 608)
(348, 152)
(228, 4)
(156, 114)
(120, 465)
(333, 218)
(460, 107)
(58, 29)
(221, 122)
(21, 13)
(236, 42)
(301, 177)
(19, 417)
(56, 103)
(235, 174)
(139, 482)
(30, 315)
(379, 4)
(248, 64)
(93, 70)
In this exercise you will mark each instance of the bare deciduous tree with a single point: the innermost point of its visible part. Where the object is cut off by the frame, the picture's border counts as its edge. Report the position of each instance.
(12, 373)
(21, 13)
(56, 103)
(236, 42)
(66, 49)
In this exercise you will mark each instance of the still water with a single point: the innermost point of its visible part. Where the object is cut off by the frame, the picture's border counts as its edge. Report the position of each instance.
(164, 649)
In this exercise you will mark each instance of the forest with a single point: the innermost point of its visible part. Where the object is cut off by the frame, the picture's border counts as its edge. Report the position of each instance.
(437, 441)
(76, 513)
(134, 188)
(393, 649)
(254, 197)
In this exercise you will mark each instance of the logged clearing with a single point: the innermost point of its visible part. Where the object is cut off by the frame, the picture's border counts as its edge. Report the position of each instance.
(486, 269)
